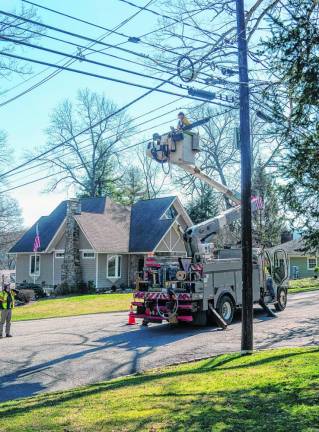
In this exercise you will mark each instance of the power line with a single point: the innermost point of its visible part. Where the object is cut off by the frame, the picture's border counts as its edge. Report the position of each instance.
(74, 57)
(91, 74)
(128, 122)
(81, 165)
(160, 14)
(130, 38)
(51, 75)
(74, 167)
(87, 38)
(91, 49)
(124, 107)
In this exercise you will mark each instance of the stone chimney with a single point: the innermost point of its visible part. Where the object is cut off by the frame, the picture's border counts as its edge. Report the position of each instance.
(71, 268)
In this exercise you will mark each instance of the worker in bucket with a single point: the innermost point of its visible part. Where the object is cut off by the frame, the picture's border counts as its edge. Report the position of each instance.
(182, 121)
(6, 306)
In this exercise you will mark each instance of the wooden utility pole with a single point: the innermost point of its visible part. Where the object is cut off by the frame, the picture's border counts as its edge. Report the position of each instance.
(245, 150)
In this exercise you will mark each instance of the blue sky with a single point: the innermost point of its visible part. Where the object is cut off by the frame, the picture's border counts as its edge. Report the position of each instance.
(26, 119)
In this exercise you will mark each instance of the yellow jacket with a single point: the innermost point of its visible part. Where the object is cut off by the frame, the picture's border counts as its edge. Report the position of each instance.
(183, 123)
(4, 299)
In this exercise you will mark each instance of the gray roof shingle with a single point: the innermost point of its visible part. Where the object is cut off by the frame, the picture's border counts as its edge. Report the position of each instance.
(49, 225)
(109, 227)
(147, 229)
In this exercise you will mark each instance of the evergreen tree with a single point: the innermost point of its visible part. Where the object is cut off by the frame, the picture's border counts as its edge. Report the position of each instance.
(294, 58)
(268, 223)
(204, 206)
(132, 187)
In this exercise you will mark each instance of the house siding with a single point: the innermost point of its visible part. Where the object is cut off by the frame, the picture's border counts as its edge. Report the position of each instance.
(57, 270)
(302, 264)
(88, 267)
(103, 282)
(172, 242)
(46, 269)
(83, 242)
(61, 243)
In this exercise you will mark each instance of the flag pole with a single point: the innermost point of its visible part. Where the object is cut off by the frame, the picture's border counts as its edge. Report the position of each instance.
(35, 266)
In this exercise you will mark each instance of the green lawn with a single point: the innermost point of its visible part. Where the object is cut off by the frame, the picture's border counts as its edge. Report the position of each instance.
(302, 285)
(268, 391)
(99, 303)
(73, 305)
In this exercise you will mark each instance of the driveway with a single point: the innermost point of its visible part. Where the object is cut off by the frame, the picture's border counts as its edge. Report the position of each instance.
(61, 353)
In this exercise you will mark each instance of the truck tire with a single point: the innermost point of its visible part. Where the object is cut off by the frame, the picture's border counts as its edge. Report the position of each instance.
(281, 302)
(226, 308)
(200, 318)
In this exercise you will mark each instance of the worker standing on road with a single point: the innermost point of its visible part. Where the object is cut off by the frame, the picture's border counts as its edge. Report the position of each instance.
(6, 306)
(182, 121)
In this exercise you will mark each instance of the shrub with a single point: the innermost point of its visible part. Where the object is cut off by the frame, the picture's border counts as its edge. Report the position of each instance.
(37, 289)
(62, 289)
(91, 286)
(25, 295)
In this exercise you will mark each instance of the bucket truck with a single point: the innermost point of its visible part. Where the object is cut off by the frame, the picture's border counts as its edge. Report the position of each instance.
(206, 285)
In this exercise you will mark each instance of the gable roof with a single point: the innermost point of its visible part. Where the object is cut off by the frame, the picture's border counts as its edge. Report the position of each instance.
(147, 229)
(49, 225)
(109, 227)
(108, 231)
(294, 247)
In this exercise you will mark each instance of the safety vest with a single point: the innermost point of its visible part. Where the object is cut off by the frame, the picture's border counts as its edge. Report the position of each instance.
(4, 299)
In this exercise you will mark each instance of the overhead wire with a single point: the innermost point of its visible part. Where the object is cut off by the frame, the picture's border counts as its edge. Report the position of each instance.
(105, 28)
(150, 90)
(71, 168)
(124, 107)
(50, 76)
(82, 59)
(53, 74)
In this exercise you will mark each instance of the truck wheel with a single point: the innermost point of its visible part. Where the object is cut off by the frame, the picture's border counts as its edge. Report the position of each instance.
(281, 303)
(226, 308)
(200, 318)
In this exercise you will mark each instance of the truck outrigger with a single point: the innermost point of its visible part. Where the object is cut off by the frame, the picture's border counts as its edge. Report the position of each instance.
(207, 284)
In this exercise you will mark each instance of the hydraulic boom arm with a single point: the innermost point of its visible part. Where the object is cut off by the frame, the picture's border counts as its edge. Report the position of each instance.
(197, 234)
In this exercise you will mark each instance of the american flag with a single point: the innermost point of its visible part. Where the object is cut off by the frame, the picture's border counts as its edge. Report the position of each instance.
(37, 241)
(258, 202)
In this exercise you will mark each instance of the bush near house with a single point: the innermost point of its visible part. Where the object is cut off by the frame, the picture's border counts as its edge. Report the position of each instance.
(273, 390)
(303, 285)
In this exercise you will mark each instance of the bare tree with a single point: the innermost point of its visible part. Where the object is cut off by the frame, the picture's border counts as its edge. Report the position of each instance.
(89, 160)
(21, 31)
(219, 156)
(154, 179)
(10, 213)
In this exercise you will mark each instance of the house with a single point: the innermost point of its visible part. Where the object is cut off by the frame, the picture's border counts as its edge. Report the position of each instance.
(99, 241)
(301, 264)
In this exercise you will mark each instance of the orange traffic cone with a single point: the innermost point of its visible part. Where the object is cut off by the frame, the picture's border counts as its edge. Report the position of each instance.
(131, 317)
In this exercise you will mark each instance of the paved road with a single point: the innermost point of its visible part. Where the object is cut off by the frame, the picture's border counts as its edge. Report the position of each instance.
(61, 353)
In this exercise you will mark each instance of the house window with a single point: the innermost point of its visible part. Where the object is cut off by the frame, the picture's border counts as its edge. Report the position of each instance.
(312, 263)
(59, 254)
(88, 255)
(114, 267)
(170, 213)
(35, 265)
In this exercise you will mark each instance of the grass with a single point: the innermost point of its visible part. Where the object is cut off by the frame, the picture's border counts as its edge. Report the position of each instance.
(274, 390)
(303, 285)
(72, 306)
(99, 303)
